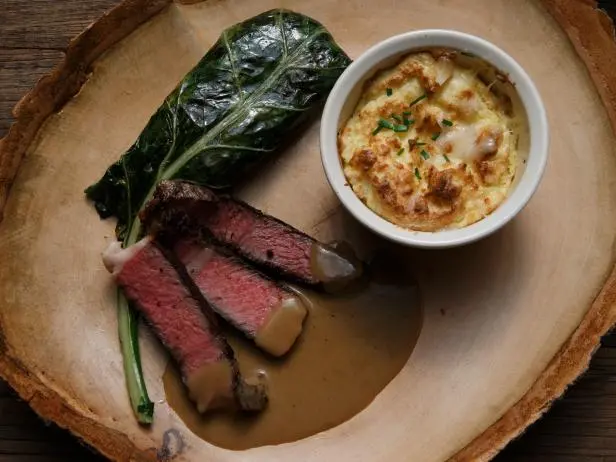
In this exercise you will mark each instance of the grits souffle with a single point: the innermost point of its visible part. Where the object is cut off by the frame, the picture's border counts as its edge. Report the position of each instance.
(433, 142)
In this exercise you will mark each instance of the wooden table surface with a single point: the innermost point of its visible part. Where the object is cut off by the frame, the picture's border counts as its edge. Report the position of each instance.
(33, 33)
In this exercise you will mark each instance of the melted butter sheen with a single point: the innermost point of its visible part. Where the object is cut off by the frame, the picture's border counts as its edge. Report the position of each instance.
(351, 347)
(283, 327)
(335, 265)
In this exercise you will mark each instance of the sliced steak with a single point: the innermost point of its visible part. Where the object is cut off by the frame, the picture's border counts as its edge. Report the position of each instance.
(264, 240)
(161, 289)
(263, 310)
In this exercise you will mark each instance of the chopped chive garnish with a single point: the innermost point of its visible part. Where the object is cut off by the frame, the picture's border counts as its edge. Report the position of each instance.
(420, 144)
(449, 123)
(406, 113)
(401, 128)
(417, 100)
(376, 130)
(424, 154)
(408, 122)
(435, 136)
(386, 124)
(396, 117)
(389, 92)
(417, 175)
(446, 158)
(400, 152)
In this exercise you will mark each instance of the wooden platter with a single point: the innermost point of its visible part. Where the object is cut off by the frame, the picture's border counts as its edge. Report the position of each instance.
(508, 322)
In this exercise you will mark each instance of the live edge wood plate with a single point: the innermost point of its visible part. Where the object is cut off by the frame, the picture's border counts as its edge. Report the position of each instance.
(509, 322)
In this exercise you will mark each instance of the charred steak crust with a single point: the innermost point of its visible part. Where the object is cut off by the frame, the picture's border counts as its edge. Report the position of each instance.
(174, 208)
(182, 208)
(248, 397)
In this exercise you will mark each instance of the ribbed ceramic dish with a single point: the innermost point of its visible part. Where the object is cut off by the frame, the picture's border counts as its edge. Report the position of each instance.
(343, 99)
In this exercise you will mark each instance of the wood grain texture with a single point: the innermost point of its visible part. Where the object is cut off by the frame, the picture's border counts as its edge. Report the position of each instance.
(19, 71)
(579, 428)
(47, 25)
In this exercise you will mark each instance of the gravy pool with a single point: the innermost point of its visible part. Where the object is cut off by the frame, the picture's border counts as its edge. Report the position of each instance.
(351, 347)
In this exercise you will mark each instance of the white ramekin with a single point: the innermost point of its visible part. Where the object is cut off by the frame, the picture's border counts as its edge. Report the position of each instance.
(345, 95)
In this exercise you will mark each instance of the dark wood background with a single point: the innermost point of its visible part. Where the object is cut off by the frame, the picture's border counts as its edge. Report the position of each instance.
(33, 34)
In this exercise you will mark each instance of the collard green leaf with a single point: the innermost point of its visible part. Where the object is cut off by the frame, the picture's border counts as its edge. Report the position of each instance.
(247, 94)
